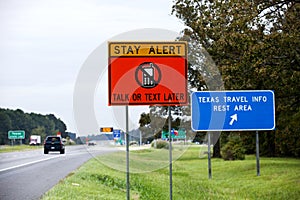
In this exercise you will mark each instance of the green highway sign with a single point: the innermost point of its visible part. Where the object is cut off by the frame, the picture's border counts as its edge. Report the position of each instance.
(175, 134)
(19, 134)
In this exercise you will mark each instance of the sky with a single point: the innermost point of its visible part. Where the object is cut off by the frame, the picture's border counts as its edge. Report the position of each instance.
(44, 44)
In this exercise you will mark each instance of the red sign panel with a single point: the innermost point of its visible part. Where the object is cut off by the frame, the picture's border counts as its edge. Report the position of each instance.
(147, 73)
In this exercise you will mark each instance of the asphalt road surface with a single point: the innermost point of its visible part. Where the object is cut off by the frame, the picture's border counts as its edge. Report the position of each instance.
(29, 174)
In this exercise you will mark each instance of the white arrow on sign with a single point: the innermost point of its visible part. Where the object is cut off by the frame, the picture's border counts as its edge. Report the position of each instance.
(233, 118)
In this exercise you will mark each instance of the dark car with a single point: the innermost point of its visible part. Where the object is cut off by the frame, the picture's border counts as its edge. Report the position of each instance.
(54, 143)
(92, 143)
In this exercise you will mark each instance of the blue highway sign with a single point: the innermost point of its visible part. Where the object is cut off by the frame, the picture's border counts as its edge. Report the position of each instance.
(233, 110)
(117, 133)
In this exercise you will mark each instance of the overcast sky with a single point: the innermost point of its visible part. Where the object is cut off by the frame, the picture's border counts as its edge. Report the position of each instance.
(44, 43)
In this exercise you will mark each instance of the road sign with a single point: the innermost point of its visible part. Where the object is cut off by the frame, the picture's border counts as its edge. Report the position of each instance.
(147, 73)
(175, 134)
(106, 129)
(233, 110)
(18, 134)
(117, 134)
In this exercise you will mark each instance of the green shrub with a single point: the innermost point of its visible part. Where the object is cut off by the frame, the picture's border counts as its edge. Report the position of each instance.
(133, 143)
(160, 144)
(233, 149)
(68, 141)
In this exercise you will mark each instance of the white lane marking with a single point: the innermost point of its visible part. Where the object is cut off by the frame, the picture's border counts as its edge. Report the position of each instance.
(25, 164)
(37, 161)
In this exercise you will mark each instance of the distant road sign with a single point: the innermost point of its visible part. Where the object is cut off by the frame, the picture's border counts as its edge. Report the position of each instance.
(233, 110)
(117, 134)
(147, 73)
(175, 134)
(106, 129)
(18, 134)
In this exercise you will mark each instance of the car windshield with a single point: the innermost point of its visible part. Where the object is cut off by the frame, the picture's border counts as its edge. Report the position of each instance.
(53, 140)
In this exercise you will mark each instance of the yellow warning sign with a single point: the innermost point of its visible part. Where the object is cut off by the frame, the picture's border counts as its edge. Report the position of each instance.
(117, 49)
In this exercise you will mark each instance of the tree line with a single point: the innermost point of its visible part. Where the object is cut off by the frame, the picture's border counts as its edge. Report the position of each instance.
(255, 46)
(31, 123)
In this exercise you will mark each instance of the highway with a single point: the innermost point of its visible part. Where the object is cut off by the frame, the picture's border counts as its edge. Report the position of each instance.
(29, 174)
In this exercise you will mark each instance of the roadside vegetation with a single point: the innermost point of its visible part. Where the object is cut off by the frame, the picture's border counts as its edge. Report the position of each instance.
(8, 148)
(25, 147)
(255, 46)
(31, 123)
(230, 179)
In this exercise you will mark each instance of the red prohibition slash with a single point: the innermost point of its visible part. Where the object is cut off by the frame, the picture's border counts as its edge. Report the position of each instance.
(148, 75)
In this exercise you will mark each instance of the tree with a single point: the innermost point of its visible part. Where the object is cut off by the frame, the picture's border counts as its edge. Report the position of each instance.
(59, 126)
(152, 123)
(256, 45)
(5, 126)
(144, 119)
(233, 149)
(31, 123)
(40, 130)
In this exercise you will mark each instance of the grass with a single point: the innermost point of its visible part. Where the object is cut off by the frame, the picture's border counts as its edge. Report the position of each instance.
(7, 148)
(100, 179)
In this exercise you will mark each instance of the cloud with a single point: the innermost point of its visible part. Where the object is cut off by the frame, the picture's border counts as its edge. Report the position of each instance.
(44, 43)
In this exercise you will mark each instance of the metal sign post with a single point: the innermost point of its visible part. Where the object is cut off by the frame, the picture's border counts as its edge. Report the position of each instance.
(127, 156)
(170, 155)
(209, 156)
(257, 155)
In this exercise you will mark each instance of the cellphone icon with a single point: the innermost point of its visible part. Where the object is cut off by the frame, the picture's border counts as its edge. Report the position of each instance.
(148, 76)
